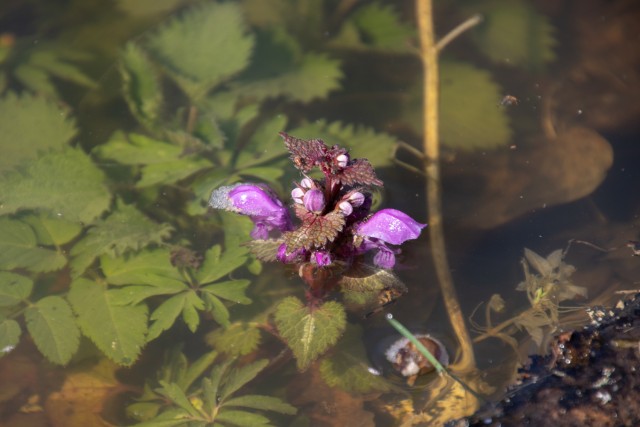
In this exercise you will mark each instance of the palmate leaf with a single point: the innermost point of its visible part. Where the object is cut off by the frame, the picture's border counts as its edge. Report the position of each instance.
(204, 47)
(9, 335)
(264, 145)
(53, 328)
(124, 229)
(236, 378)
(141, 86)
(309, 331)
(19, 249)
(241, 418)
(265, 403)
(118, 331)
(196, 369)
(52, 230)
(192, 304)
(137, 149)
(165, 315)
(218, 264)
(31, 125)
(148, 267)
(174, 393)
(239, 339)
(65, 183)
(54, 62)
(14, 288)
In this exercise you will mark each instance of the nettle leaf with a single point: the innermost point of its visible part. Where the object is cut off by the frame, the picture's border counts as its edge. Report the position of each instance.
(14, 288)
(66, 183)
(19, 249)
(118, 331)
(142, 89)
(9, 335)
(51, 230)
(364, 142)
(309, 331)
(239, 339)
(52, 326)
(381, 29)
(30, 126)
(217, 264)
(124, 229)
(204, 47)
(315, 230)
(515, 33)
(470, 119)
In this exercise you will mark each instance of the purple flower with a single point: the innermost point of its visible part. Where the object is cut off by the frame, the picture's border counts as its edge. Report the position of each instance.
(256, 201)
(314, 200)
(390, 226)
(322, 258)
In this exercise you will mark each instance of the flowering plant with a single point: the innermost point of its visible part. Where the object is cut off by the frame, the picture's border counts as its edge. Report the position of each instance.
(336, 225)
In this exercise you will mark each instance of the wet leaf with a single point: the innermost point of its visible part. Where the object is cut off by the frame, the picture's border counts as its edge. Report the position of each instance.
(51, 230)
(118, 331)
(265, 250)
(19, 249)
(236, 378)
(540, 264)
(9, 335)
(126, 228)
(54, 62)
(204, 47)
(137, 149)
(174, 393)
(232, 290)
(196, 369)
(147, 267)
(53, 328)
(239, 339)
(30, 126)
(266, 403)
(141, 86)
(172, 171)
(192, 304)
(165, 315)
(14, 288)
(218, 264)
(309, 331)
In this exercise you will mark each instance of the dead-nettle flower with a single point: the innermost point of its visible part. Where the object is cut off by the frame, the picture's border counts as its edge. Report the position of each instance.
(335, 222)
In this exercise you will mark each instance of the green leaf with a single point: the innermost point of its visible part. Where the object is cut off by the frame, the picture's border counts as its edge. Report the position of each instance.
(238, 377)
(196, 369)
(232, 290)
(36, 79)
(312, 77)
(471, 122)
(217, 265)
(147, 267)
(266, 403)
(309, 331)
(177, 396)
(126, 228)
(135, 294)
(382, 28)
(31, 125)
(204, 47)
(19, 249)
(165, 315)
(14, 288)
(137, 149)
(239, 339)
(65, 183)
(515, 33)
(265, 144)
(118, 331)
(53, 329)
(142, 89)
(173, 171)
(217, 309)
(51, 230)
(53, 63)
(192, 305)
(9, 335)
(242, 418)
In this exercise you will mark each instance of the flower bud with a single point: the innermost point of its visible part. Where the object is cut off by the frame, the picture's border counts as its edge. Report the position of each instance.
(342, 160)
(307, 183)
(322, 258)
(356, 199)
(297, 194)
(314, 200)
(346, 208)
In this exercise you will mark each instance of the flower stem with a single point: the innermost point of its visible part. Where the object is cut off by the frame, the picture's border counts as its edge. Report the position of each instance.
(429, 55)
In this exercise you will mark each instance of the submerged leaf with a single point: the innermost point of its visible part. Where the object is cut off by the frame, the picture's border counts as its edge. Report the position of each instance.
(9, 335)
(52, 230)
(309, 331)
(118, 331)
(30, 126)
(14, 288)
(142, 88)
(218, 264)
(238, 377)
(148, 267)
(381, 29)
(52, 326)
(239, 339)
(66, 183)
(19, 249)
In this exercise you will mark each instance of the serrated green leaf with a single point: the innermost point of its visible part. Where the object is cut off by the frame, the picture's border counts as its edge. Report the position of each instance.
(217, 265)
(51, 230)
(177, 396)
(515, 33)
(173, 171)
(190, 315)
(204, 47)
(118, 331)
(265, 144)
(65, 183)
(212, 384)
(135, 294)
(218, 310)
(126, 228)
(165, 315)
(14, 288)
(232, 290)
(142, 89)
(238, 377)
(241, 418)
(52, 326)
(382, 29)
(147, 267)
(19, 249)
(470, 122)
(196, 369)
(314, 76)
(31, 125)
(239, 339)
(309, 331)
(266, 403)
(137, 149)
(9, 335)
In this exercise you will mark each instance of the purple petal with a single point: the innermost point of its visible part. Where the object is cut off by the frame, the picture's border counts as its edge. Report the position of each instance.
(314, 200)
(322, 258)
(391, 226)
(385, 259)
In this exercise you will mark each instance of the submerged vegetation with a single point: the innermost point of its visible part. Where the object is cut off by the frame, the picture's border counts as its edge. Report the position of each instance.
(108, 248)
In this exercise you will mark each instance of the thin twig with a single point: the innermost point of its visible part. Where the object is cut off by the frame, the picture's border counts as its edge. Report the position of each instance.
(429, 54)
(469, 23)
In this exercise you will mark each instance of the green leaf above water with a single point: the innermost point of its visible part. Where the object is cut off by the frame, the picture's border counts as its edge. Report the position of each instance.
(204, 47)
(309, 331)
(65, 183)
(118, 331)
(19, 249)
(31, 125)
(53, 329)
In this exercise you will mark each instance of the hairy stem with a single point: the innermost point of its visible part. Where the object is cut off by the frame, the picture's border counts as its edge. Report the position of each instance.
(429, 54)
